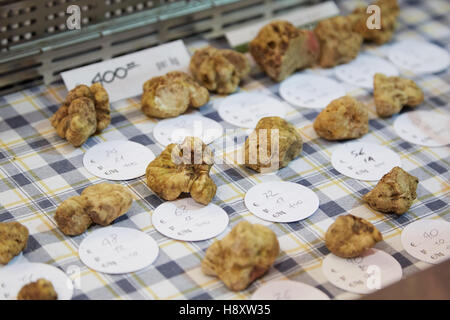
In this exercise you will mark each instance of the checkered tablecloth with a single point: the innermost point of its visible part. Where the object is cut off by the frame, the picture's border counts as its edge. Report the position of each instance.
(39, 170)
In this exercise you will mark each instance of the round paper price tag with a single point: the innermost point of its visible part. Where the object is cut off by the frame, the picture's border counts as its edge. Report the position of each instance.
(419, 56)
(372, 271)
(246, 109)
(424, 128)
(281, 201)
(360, 72)
(175, 130)
(14, 277)
(118, 160)
(116, 250)
(187, 220)
(288, 290)
(310, 91)
(364, 161)
(427, 240)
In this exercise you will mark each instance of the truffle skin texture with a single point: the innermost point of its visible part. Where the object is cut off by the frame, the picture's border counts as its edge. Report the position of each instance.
(289, 146)
(172, 94)
(244, 255)
(71, 216)
(39, 290)
(338, 42)
(183, 169)
(344, 118)
(280, 49)
(394, 193)
(392, 93)
(13, 240)
(350, 236)
(102, 109)
(219, 70)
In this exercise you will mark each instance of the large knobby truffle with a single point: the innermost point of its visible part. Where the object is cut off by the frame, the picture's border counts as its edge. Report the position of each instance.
(394, 193)
(392, 93)
(344, 118)
(181, 169)
(171, 95)
(280, 49)
(219, 70)
(350, 236)
(41, 289)
(13, 240)
(273, 144)
(244, 255)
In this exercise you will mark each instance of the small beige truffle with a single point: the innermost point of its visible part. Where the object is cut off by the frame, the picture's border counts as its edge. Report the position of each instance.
(394, 193)
(13, 240)
(350, 236)
(242, 256)
(41, 289)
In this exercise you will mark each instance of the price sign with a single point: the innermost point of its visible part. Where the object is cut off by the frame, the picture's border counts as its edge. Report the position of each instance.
(427, 240)
(118, 250)
(288, 290)
(124, 76)
(118, 160)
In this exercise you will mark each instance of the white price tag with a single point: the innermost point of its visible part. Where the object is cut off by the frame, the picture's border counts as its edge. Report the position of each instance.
(424, 128)
(364, 161)
(360, 72)
(288, 290)
(427, 240)
(310, 91)
(116, 250)
(246, 109)
(118, 160)
(374, 270)
(124, 76)
(14, 277)
(175, 130)
(281, 201)
(187, 220)
(419, 57)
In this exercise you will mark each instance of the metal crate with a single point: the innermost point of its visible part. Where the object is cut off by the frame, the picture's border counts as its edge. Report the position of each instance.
(35, 46)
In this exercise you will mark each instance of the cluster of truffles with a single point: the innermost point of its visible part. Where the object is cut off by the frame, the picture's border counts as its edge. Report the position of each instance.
(101, 204)
(40, 289)
(13, 240)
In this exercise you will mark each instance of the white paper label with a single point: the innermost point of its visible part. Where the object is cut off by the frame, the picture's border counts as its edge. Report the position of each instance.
(246, 109)
(310, 91)
(118, 160)
(123, 77)
(364, 161)
(427, 240)
(281, 201)
(175, 130)
(360, 72)
(118, 250)
(299, 17)
(288, 290)
(187, 220)
(14, 277)
(372, 271)
(419, 56)
(424, 128)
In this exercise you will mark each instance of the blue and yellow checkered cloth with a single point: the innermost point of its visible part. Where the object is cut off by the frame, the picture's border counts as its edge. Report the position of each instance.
(39, 170)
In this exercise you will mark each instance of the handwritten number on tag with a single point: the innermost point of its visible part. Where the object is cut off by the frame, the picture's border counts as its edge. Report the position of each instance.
(110, 75)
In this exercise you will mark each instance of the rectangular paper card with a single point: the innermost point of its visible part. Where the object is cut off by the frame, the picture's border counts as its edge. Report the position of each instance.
(124, 76)
(298, 17)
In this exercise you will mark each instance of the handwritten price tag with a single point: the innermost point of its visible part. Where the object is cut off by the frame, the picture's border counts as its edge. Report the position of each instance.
(14, 277)
(124, 76)
(174, 130)
(372, 271)
(118, 160)
(118, 250)
(281, 201)
(288, 290)
(310, 91)
(187, 220)
(419, 57)
(360, 72)
(364, 161)
(424, 128)
(246, 109)
(427, 240)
